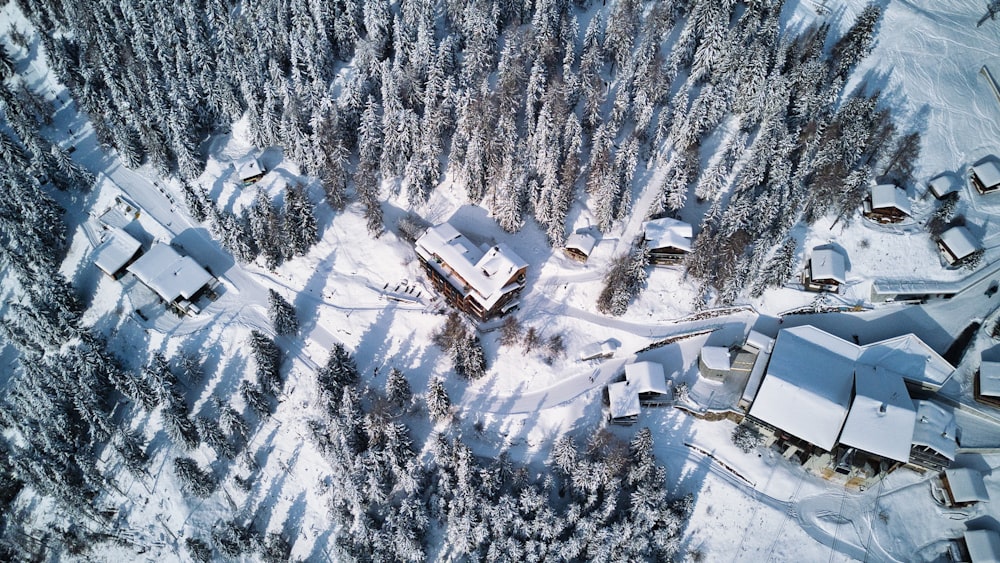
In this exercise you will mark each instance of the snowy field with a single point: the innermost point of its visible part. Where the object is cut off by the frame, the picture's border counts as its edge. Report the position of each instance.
(749, 507)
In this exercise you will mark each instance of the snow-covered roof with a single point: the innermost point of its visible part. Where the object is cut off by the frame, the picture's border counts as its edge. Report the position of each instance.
(942, 185)
(983, 545)
(882, 415)
(807, 387)
(623, 399)
(119, 214)
(595, 349)
(888, 195)
(760, 341)
(583, 242)
(647, 377)
(668, 233)
(916, 287)
(966, 485)
(828, 264)
(756, 376)
(959, 241)
(715, 357)
(485, 274)
(169, 274)
(935, 428)
(248, 167)
(988, 173)
(117, 248)
(989, 378)
(911, 357)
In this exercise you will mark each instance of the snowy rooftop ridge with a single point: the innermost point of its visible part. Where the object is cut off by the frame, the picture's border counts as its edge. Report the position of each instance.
(989, 378)
(828, 264)
(584, 242)
(984, 545)
(623, 399)
(169, 274)
(486, 274)
(117, 248)
(668, 233)
(881, 402)
(935, 428)
(959, 240)
(888, 195)
(988, 173)
(647, 377)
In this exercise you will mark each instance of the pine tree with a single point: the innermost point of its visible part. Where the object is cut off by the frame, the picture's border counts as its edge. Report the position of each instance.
(268, 358)
(194, 480)
(255, 398)
(438, 402)
(179, 426)
(301, 230)
(468, 358)
(397, 389)
(281, 313)
(623, 281)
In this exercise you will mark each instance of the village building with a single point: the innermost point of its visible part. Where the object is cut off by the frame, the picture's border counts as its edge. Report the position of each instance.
(983, 546)
(760, 346)
(116, 252)
(598, 350)
(956, 244)
(825, 271)
(482, 282)
(668, 240)
(913, 291)
(887, 204)
(713, 362)
(942, 186)
(249, 170)
(985, 177)
(935, 437)
(849, 405)
(580, 245)
(623, 403)
(963, 486)
(178, 280)
(987, 383)
(119, 214)
(650, 383)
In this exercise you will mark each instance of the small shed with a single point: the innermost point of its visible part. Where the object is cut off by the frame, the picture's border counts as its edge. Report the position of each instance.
(956, 244)
(623, 400)
(713, 362)
(826, 270)
(887, 204)
(249, 170)
(598, 350)
(650, 382)
(942, 186)
(580, 245)
(983, 545)
(116, 252)
(119, 214)
(964, 486)
(668, 240)
(760, 341)
(985, 177)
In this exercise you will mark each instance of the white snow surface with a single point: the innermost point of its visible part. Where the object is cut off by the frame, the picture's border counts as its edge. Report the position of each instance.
(882, 415)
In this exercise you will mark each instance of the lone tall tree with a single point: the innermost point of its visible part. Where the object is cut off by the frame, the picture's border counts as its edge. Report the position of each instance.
(282, 313)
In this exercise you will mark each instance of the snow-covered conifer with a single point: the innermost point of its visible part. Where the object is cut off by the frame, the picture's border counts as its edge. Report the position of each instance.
(281, 313)
(438, 402)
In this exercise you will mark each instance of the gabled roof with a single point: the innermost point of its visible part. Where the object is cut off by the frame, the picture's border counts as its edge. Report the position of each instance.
(584, 242)
(486, 273)
(966, 485)
(117, 248)
(248, 167)
(935, 428)
(989, 378)
(984, 545)
(623, 399)
(959, 241)
(595, 349)
(647, 377)
(911, 357)
(715, 357)
(988, 173)
(942, 185)
(882, 416)
(888, 195)
(828, 264)
(169, 274)
(807, 388)
(668, 233)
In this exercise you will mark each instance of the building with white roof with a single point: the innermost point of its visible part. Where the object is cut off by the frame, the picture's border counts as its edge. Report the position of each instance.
(119, 214)
(178, 280)
(986, 385)
(597, 350)
(483, 282)
(826, 391)
(623, 401)
(714, 362)
(956, 244)
(249, 170)
(942, 185)
(116, 252)
(965, 486)
(579, 245)
(985, 177)
(887, 204)
(826, 270)
(882, 415)
(667, 239)
(983, 545)
(649, 381)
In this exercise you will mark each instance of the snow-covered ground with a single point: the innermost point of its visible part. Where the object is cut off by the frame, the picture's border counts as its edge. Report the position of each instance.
(749, 507)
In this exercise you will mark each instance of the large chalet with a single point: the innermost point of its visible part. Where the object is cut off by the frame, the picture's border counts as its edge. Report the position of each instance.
(483, 282)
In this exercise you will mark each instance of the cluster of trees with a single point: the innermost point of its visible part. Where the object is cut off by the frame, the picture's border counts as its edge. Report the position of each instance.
(531, 340)
(602, 502)
(624, 280)
(462, 345)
